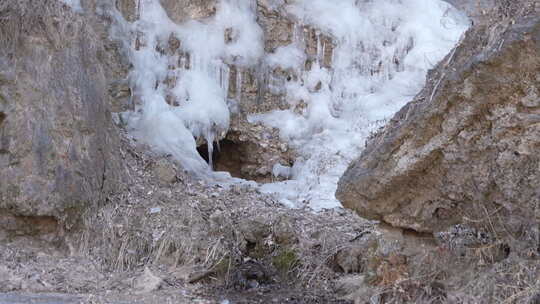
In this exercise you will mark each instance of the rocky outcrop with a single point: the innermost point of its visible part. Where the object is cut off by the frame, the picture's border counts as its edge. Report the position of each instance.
(465, 150)
(182, 11)
(58, 149)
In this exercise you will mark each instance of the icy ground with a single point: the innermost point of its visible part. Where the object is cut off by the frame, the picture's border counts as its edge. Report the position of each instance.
(384, 50)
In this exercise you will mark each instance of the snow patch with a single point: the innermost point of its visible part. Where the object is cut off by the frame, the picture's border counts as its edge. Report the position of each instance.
(287, 57)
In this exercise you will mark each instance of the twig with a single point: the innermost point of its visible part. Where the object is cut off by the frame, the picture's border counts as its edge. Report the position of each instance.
(444, 67)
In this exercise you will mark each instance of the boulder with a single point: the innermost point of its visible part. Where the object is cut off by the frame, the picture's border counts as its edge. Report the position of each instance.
(184, 10)
(147, 282)
(58, 147)
(466, 149)
(128, 9)
(165, 171)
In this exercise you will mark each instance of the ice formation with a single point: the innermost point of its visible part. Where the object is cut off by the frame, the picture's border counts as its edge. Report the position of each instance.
(199, 82)
(384, 50)
(382, 53)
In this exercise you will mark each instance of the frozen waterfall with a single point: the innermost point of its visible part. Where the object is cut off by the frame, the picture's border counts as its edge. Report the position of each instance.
(381, 54)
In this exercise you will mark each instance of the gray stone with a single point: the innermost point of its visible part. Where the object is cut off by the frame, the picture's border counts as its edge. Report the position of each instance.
(147, 282)
(350, 259)
(165, 171)
(183, 10)
(128, 9)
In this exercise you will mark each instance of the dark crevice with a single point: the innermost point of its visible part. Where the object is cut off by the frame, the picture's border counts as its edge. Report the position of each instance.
(16, 225)
(2, 118)
(242, 159)
(203, 152)
(104, 174)
(3, 150)
(227, 156)
(418, 234)
(250, 246)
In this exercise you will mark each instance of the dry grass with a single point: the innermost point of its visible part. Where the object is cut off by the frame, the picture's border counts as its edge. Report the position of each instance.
(211, 232)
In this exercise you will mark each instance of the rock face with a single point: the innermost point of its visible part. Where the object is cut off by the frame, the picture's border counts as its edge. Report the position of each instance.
(259, 88)
(465, 150)
(58, 151)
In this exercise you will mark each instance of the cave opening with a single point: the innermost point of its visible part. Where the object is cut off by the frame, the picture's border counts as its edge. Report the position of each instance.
(227, 156)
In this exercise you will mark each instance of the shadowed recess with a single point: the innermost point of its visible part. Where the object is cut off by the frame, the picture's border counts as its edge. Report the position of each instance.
(227, 156)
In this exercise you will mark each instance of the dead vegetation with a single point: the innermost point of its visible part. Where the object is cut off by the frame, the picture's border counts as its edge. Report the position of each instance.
(238, 244)
(194, 232)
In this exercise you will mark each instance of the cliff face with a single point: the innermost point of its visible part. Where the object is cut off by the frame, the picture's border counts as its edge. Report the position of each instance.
(58, 150)
(465, 150)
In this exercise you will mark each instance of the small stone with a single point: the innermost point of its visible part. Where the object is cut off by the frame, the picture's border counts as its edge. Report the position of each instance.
(164, 171)
(350, 259)
(181, 11)
(155, 210)
(147, 282)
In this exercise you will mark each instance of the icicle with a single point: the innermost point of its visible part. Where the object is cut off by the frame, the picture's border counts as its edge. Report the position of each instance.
(138, 9)
(297, 33)
(221, 81)
(323, 51)
(218, 145)
(225, 78)
(238, 85)
(210, 144)
(319, 48)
